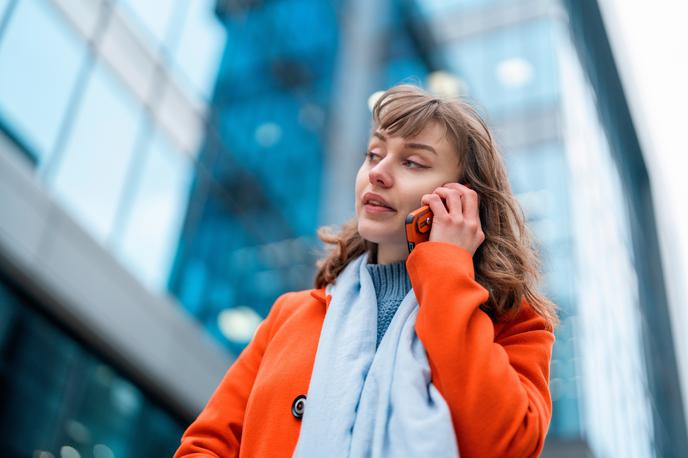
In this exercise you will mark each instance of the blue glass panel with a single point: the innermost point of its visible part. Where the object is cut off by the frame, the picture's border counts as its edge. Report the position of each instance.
(563, 384)
(266, 137)
(92, 171)
(201, 40)
(512, 69)
(154, 16)
(3, 6)
(152, 231)
(455, 6)
(541, 173)
(39, 62)
(56, 393)
(281, 34)
(399, 70)
(543, 170)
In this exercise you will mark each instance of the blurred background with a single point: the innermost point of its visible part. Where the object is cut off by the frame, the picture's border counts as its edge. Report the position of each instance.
(164, 166)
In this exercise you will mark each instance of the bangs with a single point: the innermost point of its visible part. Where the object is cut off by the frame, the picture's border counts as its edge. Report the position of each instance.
(405, 111)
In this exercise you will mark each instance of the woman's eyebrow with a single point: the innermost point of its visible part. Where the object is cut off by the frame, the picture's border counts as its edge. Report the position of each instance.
(381, 136)
(421, 146)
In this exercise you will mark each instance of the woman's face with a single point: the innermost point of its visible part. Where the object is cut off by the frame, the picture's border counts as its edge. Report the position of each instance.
(400, 171)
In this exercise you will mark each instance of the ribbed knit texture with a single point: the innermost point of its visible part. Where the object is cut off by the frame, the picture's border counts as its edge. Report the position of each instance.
(392, 283)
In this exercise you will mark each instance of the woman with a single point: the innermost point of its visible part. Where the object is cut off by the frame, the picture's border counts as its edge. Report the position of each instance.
(443, 351)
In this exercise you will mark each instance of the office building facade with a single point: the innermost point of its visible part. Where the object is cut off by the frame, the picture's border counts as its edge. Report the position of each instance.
(164, 167)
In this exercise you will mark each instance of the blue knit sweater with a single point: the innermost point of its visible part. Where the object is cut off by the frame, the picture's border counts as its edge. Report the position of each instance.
(392, 283)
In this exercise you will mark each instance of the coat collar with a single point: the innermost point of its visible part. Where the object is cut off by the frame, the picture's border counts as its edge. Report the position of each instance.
(322, 296)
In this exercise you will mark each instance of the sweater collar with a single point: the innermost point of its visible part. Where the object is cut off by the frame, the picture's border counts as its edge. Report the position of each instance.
(320, 295)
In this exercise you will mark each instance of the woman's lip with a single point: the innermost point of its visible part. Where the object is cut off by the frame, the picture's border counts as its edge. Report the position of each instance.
(377, 209)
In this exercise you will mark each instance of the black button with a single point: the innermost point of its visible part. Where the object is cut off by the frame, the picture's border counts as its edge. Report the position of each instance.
(298, 406)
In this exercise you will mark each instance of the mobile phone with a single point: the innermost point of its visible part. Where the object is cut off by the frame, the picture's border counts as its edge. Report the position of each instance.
(418, 225)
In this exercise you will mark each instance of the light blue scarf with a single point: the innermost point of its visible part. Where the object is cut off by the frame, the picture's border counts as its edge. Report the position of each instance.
(363, 403)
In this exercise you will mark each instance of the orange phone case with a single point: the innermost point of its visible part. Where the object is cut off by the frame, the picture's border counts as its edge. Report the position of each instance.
(418, 225)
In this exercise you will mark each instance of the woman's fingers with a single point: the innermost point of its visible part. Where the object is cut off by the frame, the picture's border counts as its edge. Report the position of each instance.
(453, 199)
(459, 222)
(469, 200)
(436, 205)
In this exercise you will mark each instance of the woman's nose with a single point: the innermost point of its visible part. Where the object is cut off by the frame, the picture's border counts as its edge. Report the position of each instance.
(379, 176)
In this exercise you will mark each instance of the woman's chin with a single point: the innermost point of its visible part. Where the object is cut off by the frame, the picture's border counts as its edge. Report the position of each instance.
(376, 234)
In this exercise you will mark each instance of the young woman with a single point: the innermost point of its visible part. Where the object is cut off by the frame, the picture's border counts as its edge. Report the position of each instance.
(441, 352)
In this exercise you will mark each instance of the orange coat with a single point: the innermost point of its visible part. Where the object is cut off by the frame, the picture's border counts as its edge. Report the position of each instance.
(494, 377)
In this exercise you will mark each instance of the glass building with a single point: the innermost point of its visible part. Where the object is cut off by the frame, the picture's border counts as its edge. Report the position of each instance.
(102, 113)
(164, 166)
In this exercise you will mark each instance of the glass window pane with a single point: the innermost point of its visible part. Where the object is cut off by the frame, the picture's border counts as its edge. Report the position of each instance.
(513, 69)
(3, 6)
(539, 179)
(40, 60)
(91, 175)
(454, 6)
(200, 46)
(152, 232)
(153, 15)
(61, 399)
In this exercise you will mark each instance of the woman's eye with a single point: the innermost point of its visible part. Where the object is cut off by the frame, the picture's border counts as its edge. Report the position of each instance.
(417, 165)
(370, 156)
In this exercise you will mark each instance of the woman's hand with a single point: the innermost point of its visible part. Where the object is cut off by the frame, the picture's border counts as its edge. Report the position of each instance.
(459, 221)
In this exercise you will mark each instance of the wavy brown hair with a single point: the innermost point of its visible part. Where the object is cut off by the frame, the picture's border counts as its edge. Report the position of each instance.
(506, 263)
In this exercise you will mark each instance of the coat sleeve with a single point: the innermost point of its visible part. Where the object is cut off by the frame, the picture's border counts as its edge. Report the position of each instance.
(216, 432)
(496, 387)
